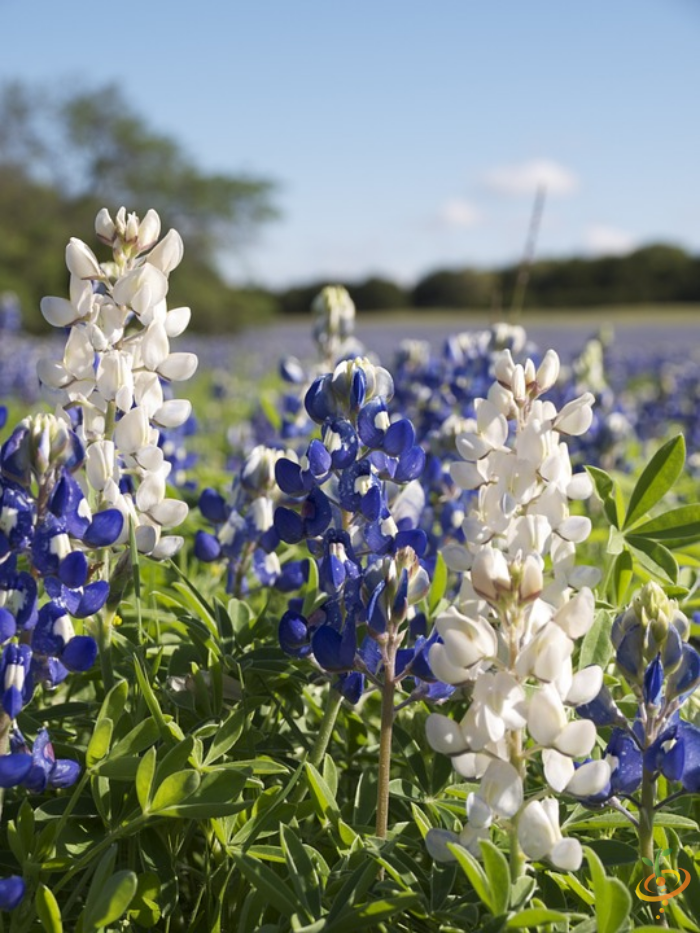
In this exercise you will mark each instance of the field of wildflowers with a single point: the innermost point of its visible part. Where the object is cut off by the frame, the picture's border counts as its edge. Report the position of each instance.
(400, 645)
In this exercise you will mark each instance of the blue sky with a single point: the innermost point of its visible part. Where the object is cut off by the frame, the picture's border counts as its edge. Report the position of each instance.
(406, 136)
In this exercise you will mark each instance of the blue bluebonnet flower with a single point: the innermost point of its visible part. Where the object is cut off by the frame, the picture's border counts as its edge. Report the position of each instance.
(12, 891)
(38, 768)
(358, 505)
(663, 671)
(245, 533)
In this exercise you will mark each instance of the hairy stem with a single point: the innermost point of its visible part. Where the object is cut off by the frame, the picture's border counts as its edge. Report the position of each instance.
(386, 730)
(646, 817)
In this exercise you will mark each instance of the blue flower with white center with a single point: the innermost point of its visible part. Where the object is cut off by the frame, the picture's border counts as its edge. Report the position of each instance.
(45, 769)
(54, 637)
(16, 678)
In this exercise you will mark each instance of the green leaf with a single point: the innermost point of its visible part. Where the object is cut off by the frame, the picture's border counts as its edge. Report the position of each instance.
(98, 746)
(301, 872)
(498, 874)
(654, 556)
(311, 590)
(152, 703)
(533, 917)
(144, 779)
(369, 915)
(47, 909)
(683, 522)
(109, 901)
(622, 573)
(269, 884)
(141, 737)
(322, 795)
(611, 852)
(144, 910)
(657, 478)
(438, 585)
(606, 488)
(174, 790)
(596, 647)
(218, 795)
(613, 901)
(228, 734)
(474, 873)
(691, 895)
(114, 703)
(354, 889)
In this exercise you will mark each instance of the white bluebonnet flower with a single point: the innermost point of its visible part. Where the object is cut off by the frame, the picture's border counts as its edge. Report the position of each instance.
(513, 628)
(116, 359)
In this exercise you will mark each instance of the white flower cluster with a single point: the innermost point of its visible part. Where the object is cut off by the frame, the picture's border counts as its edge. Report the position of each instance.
(115, 361)
(513, 631)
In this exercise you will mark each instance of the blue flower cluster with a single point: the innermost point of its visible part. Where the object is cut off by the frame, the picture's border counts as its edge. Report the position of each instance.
(47, 533)
(353, 497)
(244, 531)
(663, 671)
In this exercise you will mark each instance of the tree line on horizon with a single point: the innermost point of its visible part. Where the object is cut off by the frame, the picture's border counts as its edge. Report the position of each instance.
(655, 274)
(63, 156)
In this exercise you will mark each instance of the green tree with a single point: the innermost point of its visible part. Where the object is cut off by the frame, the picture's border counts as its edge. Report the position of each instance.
(62, 158)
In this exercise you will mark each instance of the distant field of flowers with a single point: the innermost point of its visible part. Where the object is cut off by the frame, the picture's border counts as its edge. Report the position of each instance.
(345, 642)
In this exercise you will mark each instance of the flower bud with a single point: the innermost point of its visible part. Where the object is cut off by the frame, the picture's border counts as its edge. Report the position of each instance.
(547, 372)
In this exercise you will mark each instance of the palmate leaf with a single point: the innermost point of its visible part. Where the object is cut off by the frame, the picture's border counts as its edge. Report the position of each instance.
(657, 478)
(677, 524)
(654, 557)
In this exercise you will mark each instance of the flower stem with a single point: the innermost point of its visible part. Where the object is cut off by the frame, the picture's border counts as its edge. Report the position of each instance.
(517, 859)
(333, 702)
(5, 726)
(323, 737)
(646, 816)
(386, 729)
(104, 644)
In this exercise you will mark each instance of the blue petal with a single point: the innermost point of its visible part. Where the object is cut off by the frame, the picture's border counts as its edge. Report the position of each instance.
(316, 513)
(288, 525)
(369, 433)
(288, 476)
(319, 459)
(602, 709)
(319, 400)
(12, 702)
(686, 676)
(293, 634)
(653, 682)
(206, 546)
(352, 686)
(630, 653)
(8, 625)
(399, 437)
(73, 569)
(410, 465)
(14, 769)
(11, 892)
(213, 507)
(358, 389)
(65, 773)
(93, 599)
(627, 775)
(80, 653)
(294, 575)
(104, 529)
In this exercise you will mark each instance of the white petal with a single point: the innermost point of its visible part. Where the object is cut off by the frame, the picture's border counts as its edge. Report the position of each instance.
(169, 512)
(58, 312)
(167, 547)
(179, 367)
(444, 735)
(591, 778)
(155, 346)
(576, 528)
(558, 769)
(585, 686)
(479, 813)
(546, 716)
(173, 413)
(167, 255)
(502, 788)
(535, 831)
(567, 855)
(132, 431)
(577, 738)
(576, 616)
(146, 538)
(176, 321)
(81, 260)
(436, 841)
(150, 492)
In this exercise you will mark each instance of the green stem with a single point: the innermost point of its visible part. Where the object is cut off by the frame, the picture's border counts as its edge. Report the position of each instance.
(104, 645)
(646, 817)
(323, 737)
(386, 730)
(517, 859)
(5, 726)
(325, 731)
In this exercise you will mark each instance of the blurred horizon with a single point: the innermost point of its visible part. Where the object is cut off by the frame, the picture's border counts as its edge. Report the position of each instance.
(403, 139)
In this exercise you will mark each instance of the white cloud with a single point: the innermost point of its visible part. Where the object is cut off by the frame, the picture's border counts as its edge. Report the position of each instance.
(526, 177)
(458, 213)
(607, 241)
